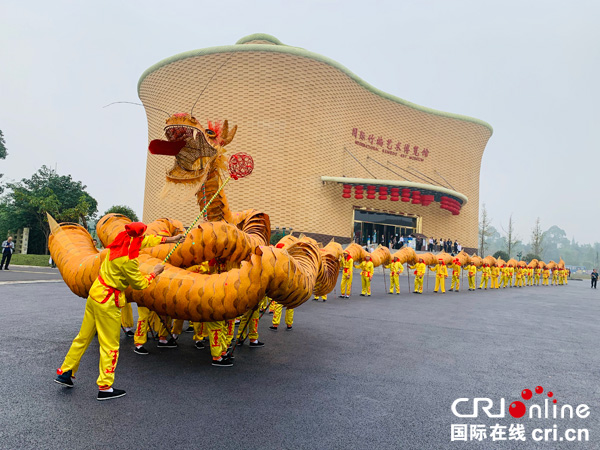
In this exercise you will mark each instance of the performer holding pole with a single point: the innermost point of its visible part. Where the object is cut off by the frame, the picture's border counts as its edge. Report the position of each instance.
(119, 270)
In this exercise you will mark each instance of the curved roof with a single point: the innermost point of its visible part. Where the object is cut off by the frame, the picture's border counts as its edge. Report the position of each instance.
(398, 183)
(275, 45)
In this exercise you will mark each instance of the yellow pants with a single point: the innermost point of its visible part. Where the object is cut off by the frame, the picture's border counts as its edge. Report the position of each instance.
(418, 283)
(529, 281)
(216, 336)
(440, 282)
(148, 318)
(545, 282)
(346, 288)
(394, 283)
(252, 328)
(472, 282)
(510, 281)
(323, 297)
(178, 326)
(263, 303)
(228, 332)
(520, 282)
(289, 315)
(485, 282)
(127, 316)
(105, 319)
(455, 283)
(366, 285)
(200, 331)
(560, 281)
(494, 282)
(536, 280)
(503, 281)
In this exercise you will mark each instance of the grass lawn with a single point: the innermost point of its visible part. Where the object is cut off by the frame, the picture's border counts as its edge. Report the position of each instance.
(30, 260)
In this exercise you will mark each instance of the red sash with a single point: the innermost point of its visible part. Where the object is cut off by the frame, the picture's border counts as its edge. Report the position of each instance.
(111, 291)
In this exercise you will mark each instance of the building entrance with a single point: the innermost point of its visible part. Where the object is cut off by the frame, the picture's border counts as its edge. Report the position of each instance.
(372, 228)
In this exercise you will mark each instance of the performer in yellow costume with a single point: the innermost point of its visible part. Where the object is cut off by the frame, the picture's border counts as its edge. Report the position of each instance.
(485, 276)
(503, 276)
(566, 276)
(495, 272)
(519, 277)
(471, 274)
(419, 273)
(127, 320)
(538, 272)
(440, 278)
(119, 270)
(347, 265)
(396, 269)
(366, 275)
(289, 317)
(511, 272)
(455, 284)
(545, 276)
(554, 276)
(530, 276)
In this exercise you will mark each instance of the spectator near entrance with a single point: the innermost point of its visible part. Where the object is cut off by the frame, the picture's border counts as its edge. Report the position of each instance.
(430, 246)
(594, 278)
(8, 247)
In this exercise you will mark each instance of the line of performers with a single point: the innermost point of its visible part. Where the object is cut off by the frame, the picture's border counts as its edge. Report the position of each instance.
(492, 276)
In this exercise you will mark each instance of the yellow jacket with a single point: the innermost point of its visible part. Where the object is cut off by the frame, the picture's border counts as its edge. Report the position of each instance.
(367, 268)
(538, 272)
(546, 273)
(441, 270)
(419, 269)
(119, 274)
(495, 272)
(396, 268)
(472, 270)
(347, 266)
(455, 270)
(485, 271)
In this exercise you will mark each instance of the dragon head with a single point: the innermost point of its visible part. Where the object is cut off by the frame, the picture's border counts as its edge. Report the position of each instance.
(197, 150)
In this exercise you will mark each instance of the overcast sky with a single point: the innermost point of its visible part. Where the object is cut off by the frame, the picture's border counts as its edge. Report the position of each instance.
(529, 68)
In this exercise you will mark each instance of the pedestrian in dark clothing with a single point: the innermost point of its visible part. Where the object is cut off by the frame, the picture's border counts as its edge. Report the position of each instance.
(594, 278)
(8, 247)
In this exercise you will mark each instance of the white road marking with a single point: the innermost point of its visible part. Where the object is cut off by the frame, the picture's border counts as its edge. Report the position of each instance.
(31, 271)
(30, 281)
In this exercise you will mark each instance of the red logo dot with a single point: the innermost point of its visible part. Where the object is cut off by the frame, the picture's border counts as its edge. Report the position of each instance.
(554, 401)
(539, 390)
(517, 409)
(550, 394)
(526, 394)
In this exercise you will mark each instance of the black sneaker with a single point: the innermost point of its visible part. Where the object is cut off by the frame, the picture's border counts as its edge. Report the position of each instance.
(65, 379)
(116, 393)
(342, 296)
(199, 345)
(324, 299)
(289, 328)
(140, 350)
(362, 295)
(256, 344)
(190, 329)
(271, 312)
(316, 299)
(129, 333)
(169, 344)
(223, 362)
(272, 328)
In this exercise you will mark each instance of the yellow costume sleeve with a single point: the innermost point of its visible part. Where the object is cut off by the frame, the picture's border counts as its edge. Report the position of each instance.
(151, 241)
(131, 270)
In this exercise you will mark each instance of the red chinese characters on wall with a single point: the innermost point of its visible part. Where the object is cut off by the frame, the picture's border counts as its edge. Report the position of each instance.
(387, 146)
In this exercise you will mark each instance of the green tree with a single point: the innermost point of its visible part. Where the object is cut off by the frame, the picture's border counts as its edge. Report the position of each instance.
(501, 254)
(512, 240)
(123, 210)
(28, 201)
(537, 239)
(484, 230)
(531, 256)
(3, 154)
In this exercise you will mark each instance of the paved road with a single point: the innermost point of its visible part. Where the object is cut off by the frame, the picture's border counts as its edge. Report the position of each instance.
(368, 373)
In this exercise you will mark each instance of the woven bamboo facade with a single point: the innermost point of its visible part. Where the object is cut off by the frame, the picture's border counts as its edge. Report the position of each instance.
(296, 113)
